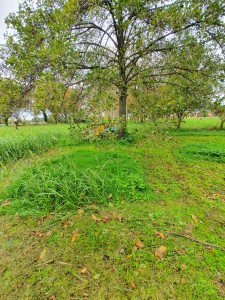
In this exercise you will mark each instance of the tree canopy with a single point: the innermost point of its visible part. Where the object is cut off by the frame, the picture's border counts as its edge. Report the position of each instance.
(118, 42)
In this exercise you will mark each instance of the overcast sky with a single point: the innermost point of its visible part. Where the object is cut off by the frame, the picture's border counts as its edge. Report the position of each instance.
(6, 7)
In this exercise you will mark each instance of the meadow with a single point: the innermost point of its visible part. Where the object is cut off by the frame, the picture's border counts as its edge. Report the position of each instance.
(140, 218)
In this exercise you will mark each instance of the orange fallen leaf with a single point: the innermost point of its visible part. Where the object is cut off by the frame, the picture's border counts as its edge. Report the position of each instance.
(133, 285)
(52, 297)
(139, 244)
(194, 218)
(6, 203)
(160, 234)
(74, 237)
(159, 252)
(84, 270)
(106, 218)
(42, 219)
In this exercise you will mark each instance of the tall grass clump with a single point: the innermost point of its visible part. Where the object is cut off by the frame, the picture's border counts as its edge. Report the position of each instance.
(17, 148)
(73, 181)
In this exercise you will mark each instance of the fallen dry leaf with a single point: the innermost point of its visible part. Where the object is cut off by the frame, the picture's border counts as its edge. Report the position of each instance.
(171, 288)
(64, 224)
(106, 218)
(37, 233)
(70, 223)
(135, 248)
(42, 219)
(86, 295)
(139, 244)
(6, 203)
(159, 252)
(40, 233)
(110, 196)
(49, 233)
(120, 218)
(160, 234)
(53, 297)
(122, 251)
(80, 211)
(92, 206)
(84, 270)
(194, 218)
(74, 237)
(106, 257)
(43, 254)
(133, 285)
(94, 218)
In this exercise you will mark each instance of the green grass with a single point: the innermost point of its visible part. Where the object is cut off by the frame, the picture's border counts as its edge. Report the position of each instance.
(199, 127)
(12, 150)
(75, 180)
(17, 144)
(170, 183)
(204, 150)
(194, 123)
(24, 131)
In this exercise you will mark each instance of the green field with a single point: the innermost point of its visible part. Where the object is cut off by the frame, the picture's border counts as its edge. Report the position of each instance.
(85, 220)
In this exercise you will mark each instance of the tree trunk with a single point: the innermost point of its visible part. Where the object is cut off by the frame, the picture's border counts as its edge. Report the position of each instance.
(56, 118)
(16, 122)
(179, 116)
(179, 123)
(45, 116)
(6, 121)
(120, 33)
(122, 112)
(221, 124)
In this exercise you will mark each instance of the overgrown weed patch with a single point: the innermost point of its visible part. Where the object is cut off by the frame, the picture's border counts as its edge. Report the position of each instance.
(74, 180)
